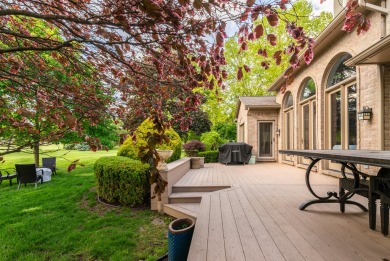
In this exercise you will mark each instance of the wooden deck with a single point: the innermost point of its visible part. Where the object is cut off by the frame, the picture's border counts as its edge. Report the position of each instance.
(258, 218)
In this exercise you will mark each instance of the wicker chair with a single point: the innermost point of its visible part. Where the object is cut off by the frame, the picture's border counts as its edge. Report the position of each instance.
(7, 174)
(50, 163)
(27, 173)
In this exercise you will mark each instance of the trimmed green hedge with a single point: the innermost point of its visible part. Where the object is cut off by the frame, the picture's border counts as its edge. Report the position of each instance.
(209, 156)
(122, 180)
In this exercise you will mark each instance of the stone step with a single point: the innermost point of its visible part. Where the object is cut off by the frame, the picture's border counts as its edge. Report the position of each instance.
(176, 189)
(186, 197)
(182, 210)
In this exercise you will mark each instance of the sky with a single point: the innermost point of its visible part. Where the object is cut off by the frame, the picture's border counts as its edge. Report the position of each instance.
(325, 6)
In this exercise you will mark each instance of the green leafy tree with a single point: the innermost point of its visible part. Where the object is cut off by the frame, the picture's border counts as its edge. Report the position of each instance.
(227, 131)
(257, 66)
(43, 98)
(200, 124)
(212, 140)
(106, 131)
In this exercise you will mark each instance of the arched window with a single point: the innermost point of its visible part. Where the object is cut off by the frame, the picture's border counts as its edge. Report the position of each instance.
(340, 71)
(309, 89)
(341, 106)
(288, 101)
(308, 116)
(288, 120)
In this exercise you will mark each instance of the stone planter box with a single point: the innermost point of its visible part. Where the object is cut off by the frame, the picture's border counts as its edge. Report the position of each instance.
(197, 162)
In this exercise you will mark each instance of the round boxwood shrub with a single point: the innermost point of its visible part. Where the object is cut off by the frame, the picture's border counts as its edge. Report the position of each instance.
(130, 148)
(212, 140)
(122, 180)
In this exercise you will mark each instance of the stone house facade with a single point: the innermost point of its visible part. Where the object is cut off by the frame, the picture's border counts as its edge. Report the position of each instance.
(319, 110)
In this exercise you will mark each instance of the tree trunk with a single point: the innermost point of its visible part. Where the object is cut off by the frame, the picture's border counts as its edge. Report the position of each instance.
(36, 154)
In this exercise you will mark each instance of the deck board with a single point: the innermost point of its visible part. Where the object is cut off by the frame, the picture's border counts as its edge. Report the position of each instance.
(269, 249)
(199, 245)
(233, 246)
(216, 243)
(248, 239)
(343, 230)
(285, 246)
(258, 218)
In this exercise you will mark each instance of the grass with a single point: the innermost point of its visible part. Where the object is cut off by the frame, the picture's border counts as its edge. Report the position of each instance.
(62, 220)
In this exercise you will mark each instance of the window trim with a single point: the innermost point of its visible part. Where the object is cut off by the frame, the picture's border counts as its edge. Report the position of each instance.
(340, 84)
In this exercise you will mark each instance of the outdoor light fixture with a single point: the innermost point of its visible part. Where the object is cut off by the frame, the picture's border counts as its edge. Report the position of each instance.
(277, 131)
(365, 114)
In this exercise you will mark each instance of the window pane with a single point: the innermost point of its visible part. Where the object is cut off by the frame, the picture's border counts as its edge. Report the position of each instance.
(288, 126)
(289, 102)
(352, 129)
(340, 71)
(335, 120)
(314, 126)
(306, 127)
(309, 89)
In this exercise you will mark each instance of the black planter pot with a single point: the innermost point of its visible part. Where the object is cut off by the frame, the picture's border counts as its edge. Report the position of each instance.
(179, 238)
(163, 258)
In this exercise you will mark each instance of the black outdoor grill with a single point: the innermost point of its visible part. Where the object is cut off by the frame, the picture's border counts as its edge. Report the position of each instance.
(235, 152)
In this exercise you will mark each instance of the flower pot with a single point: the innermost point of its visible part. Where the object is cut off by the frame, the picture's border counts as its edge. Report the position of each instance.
(197, 162)
(179, 238)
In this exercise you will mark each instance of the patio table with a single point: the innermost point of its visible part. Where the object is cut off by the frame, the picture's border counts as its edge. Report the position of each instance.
(361, 183)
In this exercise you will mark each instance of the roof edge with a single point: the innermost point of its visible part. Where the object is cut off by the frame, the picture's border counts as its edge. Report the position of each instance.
(370, 51)
(334, 24)
(262, 106)
(238, 108)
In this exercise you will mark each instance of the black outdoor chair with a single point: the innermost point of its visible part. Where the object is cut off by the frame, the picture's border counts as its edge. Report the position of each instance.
(27, 173)
(8, 174)
(384, 192)
(385, 203)
(50, 163)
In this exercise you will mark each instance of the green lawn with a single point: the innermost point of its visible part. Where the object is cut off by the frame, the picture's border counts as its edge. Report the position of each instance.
(61, 219)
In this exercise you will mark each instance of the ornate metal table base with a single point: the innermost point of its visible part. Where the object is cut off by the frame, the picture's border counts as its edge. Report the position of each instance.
(369, 186)
(342, 204)
(342, 198)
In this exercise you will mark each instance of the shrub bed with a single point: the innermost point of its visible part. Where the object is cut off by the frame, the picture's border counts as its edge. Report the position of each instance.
(130, 148)
(209, 156)
(122, 180)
